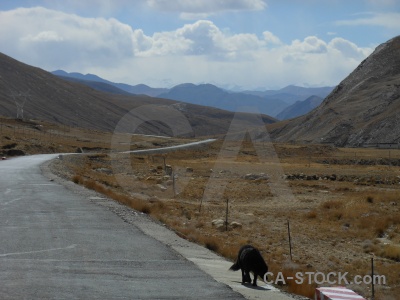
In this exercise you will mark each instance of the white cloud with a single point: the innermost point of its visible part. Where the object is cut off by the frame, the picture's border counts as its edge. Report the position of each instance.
(196, 52)
(271, 39)
(387, 20)
(191, 9)
(44, 36)
(202, 38)
(310, 44)
(381, 3)
(348, 49)
(206, 6)
(39, 34)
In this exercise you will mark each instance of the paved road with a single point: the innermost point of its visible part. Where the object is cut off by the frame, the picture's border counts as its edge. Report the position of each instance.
(171, 148)
(55, 244)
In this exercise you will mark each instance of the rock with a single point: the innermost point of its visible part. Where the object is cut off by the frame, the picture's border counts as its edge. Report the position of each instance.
(161, 187)
(189, 170)
(236, 225)
(252, 176)
(104, 170)
(15, 152)
(153, 199)
(218, 223)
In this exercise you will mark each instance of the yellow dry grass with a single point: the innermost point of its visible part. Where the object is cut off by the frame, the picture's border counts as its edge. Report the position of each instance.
(335, 225)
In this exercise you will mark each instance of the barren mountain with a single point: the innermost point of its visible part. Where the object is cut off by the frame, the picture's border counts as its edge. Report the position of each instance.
(50, 98)
(363, 109)
(91, 79)
(269, 102)
(300, 108)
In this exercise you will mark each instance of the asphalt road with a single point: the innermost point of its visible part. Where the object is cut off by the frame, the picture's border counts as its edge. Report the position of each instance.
(56, 244)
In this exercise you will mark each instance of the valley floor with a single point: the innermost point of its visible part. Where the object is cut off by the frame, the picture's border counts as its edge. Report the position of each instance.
(342, 210)
(342, 205)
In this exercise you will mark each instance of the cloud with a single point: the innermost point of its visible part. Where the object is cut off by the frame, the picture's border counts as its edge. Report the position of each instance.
(383, 3)
(348, 49)
(271, 39)
(387, 20)
(202, 38)
(44, 36)
(196, 52)
(93, 7)
(190, 9)
(40, 34)
(310, 44)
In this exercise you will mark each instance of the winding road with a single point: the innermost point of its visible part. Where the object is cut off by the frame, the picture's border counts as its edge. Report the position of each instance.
(62, 241)
(56, 244)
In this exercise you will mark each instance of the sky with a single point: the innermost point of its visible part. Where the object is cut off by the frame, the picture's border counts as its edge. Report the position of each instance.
(236, 44)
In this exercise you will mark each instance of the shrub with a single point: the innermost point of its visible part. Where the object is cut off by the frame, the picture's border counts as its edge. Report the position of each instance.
(332, 204)
(391, 252)
(311, 214)
(77, 179)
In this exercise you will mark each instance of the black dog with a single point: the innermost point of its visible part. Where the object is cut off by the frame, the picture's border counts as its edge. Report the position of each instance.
(250, 260)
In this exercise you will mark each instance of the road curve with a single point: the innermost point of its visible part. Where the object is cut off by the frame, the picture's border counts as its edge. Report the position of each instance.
(171, 148)
(56, 244)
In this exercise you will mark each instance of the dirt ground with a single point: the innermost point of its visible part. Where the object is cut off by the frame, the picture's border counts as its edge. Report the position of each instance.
(341, 205)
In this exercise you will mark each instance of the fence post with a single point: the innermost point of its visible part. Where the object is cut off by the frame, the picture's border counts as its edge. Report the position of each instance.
(173, 183)
(226, 214)
(290, 240)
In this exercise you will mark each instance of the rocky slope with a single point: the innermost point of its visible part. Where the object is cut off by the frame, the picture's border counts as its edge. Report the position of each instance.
(363, 109)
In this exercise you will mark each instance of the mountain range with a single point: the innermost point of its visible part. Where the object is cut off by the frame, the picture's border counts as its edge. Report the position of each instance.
(363, 109)
(104, 85)
(269, 102)
(51, 98)
(300, 108)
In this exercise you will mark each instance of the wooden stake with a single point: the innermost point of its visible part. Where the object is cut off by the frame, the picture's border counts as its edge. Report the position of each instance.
(290, 241)
(226, 214)
(173, 183)
(201, 201)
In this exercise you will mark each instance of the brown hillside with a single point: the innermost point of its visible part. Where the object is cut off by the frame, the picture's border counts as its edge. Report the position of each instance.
(364, 108)
(69, 103)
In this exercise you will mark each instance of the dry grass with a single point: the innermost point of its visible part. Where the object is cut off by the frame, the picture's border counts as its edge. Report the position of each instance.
(391, 252)
(335, 225)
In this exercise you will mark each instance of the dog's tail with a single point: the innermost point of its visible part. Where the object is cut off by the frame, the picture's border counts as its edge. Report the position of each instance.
(235, 266)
